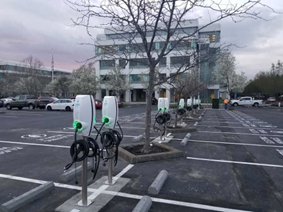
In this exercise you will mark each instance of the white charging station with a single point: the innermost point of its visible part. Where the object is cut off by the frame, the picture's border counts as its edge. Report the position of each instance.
(189, 102)
(166, 104)
(110, 111)
(181, 103)
(161, 105)
(84, 114)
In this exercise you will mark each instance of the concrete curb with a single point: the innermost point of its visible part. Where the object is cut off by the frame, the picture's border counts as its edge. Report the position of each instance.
(27, 197)
(69, 175)
(157, 184)
(143, 205)
(185, 140)
(131, 158)
(138, 138)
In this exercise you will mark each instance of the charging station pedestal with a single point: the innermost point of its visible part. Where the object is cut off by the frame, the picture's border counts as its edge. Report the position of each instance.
(84, 120)
(110, 118)
(181, 106)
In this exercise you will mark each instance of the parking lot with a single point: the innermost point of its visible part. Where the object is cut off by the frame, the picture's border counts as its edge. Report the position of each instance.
(232, 163)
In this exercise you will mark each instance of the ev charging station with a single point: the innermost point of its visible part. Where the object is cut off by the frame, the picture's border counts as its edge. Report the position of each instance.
(189, 104)
(84, 115)
(163, 117)
(161, 105)
(181, 111)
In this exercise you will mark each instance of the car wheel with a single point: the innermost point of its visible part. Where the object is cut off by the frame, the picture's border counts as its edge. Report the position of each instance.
(49, 108)
(8, 107)
(20, 108)
(68, 108)
(235, 104)
(30, 106)
(256, 104)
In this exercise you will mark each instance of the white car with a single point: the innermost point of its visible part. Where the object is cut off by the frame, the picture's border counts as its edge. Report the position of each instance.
(246, 100)
(61, 104)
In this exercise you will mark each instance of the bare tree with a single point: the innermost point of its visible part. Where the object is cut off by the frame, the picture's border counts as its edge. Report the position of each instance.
(117, 81)
(154, 30)
(185, 86)
(59, 86)
(32, 66)
(84, 80)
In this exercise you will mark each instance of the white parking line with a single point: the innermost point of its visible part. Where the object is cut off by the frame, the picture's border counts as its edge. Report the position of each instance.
(127, 136)
(34, 144)
(247, 126)
(126, 195)
(232, 133)
(236, 162)
(232, 143)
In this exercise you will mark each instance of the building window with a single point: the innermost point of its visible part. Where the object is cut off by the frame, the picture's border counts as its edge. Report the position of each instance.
(180, 61)
(106, 64)
(138, 63)
(138, 78)
(122, 63)
(162, 62)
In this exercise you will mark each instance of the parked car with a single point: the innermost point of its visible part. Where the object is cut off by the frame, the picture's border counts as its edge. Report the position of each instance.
(22, 101)
(6, 100)
(246, 100)
(44, 100)
(98, 104)
(154, 101)
(1, 103)
(61, 104)
(271, 99)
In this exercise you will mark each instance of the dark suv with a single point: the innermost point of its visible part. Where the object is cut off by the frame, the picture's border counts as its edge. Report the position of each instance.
(22, 101)
(44, 100)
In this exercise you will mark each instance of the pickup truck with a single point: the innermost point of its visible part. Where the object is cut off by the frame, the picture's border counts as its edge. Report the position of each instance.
(22, 101)
(247, 100)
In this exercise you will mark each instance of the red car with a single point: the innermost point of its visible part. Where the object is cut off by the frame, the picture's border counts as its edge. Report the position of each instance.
(98, 104)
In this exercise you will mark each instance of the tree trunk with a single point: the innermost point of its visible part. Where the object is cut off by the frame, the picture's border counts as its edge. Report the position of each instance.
(176, 114)
(146, 147)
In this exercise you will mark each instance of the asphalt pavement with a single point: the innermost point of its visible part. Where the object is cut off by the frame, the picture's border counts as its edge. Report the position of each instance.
(232, 163)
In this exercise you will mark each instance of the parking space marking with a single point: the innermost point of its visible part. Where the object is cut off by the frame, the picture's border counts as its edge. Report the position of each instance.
(278, 140)
(231, 143)
(236, 162)
(5, 150)
(235, 133)
(34, 144)
(253, 131)
(127, 195)
(266, 140)
(102, 188)
(258, 128)
(127, 136)
(280, 151)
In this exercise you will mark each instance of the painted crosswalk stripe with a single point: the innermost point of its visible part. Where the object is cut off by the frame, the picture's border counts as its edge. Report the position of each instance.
(262, 131)
(253, 131)
(278, 140)
(266, 140)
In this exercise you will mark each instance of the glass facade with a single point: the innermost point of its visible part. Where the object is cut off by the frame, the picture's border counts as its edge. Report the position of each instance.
(138, 78)
(106, 64)
(138, 63)
(179, 61)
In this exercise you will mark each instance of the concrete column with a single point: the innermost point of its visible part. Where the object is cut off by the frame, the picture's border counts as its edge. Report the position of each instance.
(168, 94)
(107, 92)
(134, 95)
(128, 96)
(98, 94)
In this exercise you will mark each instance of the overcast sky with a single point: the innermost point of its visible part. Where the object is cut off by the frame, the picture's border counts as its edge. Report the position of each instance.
(35, 27)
